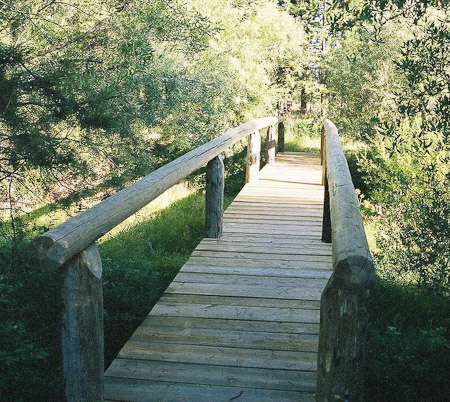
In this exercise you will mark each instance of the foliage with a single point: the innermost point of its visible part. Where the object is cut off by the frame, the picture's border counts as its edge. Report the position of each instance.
(408, 348)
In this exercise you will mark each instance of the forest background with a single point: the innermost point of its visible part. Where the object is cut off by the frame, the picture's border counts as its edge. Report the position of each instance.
(95, 94)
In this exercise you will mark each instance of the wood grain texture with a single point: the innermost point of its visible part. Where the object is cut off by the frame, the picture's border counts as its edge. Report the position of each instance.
(253, 157)
(241, 318)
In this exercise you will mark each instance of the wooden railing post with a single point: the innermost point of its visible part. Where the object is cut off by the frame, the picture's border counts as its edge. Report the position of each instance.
(270, 145)
(82, 327)
(253, 157)
(343, 306)
(280, 136)
(326, 219)
(215, 173)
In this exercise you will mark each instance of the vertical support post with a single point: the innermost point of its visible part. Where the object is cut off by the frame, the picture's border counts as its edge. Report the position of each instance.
(326, 219)
(215, 173)
(322, 147)
(82, 327)
(270, 145)
(280, 136)
(253, 157)
(342, 342)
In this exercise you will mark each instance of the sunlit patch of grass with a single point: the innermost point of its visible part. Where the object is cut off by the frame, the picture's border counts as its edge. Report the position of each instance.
(301, 143)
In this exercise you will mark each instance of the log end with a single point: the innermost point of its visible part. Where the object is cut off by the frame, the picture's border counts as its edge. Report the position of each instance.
(47, 253)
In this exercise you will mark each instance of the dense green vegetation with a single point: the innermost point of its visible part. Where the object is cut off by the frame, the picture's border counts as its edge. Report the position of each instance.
(95, 94)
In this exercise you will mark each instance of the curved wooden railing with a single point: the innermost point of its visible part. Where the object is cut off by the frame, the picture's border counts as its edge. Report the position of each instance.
(343, 308)
(70, 247)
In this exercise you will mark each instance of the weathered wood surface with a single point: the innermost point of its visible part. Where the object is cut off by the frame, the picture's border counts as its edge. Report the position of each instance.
(240, 320)
(58, 245)
(270, 145)
(82, 327)
(253, 157)
(215, 182)
(281, 131)
(343, 314)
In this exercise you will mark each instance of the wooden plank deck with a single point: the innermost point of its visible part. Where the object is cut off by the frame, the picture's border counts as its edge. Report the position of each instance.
(241, 319)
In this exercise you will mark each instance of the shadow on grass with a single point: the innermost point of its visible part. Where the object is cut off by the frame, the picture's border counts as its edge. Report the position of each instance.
(408, 354)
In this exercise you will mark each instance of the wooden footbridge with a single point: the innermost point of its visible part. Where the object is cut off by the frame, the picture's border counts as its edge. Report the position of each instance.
(265, 309)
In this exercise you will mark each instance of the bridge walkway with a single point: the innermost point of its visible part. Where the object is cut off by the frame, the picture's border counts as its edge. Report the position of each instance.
(240, 321)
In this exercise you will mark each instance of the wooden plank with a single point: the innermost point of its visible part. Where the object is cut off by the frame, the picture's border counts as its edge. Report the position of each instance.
(272, 239)
(232, 324)
(144, 391)
(242, 216)
(228, 338)
(288, 380)
(316, 257)
(260, 263)
(304, 293)
(247, 313)
(295, 214)
(289, 243)
(221, 356)
(275, 272)
(249, 280)
(289, 207)
(265, 249)
(272, 220)
(240, 301)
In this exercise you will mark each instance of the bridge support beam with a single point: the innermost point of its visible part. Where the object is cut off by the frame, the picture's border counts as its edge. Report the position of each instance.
(215, 183)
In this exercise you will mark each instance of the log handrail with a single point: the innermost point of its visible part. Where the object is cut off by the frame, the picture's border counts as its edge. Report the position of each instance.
(61, 243)
(343, 314)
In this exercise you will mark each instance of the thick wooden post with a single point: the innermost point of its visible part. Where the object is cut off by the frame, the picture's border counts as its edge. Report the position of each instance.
(253, 157)
(82, 327)
(342, 343)
(326, 219)
(280, 136)
(270, 145)
(215, 173)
